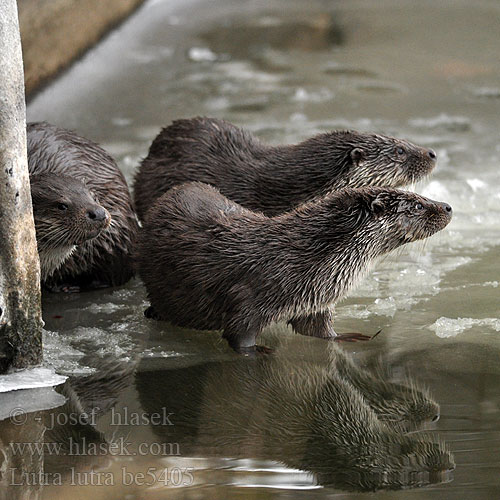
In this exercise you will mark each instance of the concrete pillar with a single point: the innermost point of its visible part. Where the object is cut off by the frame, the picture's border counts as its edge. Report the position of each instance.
(20, 310)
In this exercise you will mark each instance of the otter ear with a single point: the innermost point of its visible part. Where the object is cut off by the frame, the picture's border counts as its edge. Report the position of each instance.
(356, 155)
(378, 205)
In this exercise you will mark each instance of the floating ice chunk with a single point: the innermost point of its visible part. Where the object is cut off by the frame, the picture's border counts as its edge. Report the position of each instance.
(488, 92)
(120, 121)
(449, 327)
(269, 21)
(385, 307)
(298, 117)
(494, 284)
(436, 190)
(30, 379)
(303, 95)
(107, 308)
(17, 404)
(476, 184)
(59, 354)
(199, 54)
(158, 352)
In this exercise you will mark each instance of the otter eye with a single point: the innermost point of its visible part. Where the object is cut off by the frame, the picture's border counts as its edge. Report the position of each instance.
(419, 206)
(62, 206)
(400, 151)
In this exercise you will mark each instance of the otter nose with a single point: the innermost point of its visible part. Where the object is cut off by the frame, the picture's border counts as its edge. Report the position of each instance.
(447, 208)
(432, 154)
(97, 214)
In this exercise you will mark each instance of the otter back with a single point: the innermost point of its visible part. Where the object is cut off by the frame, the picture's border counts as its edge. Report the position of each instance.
(273, 179)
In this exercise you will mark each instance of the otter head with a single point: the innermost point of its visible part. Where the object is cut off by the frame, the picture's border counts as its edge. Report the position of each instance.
(395, 217)
(66, 214)
(377, 160)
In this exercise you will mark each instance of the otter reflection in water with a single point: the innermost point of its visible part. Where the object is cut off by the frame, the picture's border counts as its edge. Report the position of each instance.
(307, 416)
(405, 406)
(79, 445)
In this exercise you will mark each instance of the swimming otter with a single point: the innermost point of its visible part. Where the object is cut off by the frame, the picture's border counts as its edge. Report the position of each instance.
(66, 215)
(208, 263)
(273, 179)
(106, 259)
(302, 415)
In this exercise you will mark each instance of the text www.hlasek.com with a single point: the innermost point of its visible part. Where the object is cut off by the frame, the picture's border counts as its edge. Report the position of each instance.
(82, 447)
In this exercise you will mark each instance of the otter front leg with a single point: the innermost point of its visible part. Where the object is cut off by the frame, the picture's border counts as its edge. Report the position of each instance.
(241, 334)
(321, 325)
(315, 325)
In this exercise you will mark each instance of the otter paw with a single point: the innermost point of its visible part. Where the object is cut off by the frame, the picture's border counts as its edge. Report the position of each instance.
(252, 351)
(351, 337)
(262, 349)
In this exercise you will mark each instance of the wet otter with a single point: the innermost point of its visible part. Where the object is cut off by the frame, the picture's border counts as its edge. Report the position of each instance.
(273, 179)
(66, 215)
(302, 415)
(209, 263)
(106, 259)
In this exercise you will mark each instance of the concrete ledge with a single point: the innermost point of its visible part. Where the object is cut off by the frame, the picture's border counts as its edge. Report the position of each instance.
(56, 32)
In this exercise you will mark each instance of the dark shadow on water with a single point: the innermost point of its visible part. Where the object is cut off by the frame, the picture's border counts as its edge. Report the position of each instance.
(255, 38)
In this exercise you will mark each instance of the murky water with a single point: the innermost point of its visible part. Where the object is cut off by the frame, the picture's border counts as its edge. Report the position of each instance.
(286, 70)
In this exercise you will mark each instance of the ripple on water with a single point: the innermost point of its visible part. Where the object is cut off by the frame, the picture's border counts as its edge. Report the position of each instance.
(336, 69)
(487, 92)
(381, 88)
(443, 122)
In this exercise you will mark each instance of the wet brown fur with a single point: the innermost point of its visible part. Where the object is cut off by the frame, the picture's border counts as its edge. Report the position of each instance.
(105, 260)
(273, 179)
(66, 214)
(209, 263)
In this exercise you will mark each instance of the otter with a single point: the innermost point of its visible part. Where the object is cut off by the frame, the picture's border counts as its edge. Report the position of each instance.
(209, 263)
(273, 179)
(302, 415)
(106, 259)
(66, 215)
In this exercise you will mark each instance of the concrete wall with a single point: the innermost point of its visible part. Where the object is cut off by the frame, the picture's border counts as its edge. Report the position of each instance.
(56, 32)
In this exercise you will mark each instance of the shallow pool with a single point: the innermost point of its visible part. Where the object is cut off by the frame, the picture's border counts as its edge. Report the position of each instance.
(174, 403)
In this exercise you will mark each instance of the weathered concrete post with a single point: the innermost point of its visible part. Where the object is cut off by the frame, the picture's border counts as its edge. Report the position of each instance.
(20, 311)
